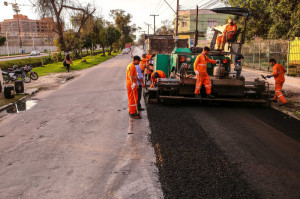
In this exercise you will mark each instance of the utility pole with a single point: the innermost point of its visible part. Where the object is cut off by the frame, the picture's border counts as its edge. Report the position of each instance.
(148, 27)
(177, 16)
(196, 31)
(154, 21)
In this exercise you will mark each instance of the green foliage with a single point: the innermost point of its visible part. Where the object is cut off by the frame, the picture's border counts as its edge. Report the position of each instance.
(122, 22)
(2, 41)
(112, 36)
(77, 65)
(47, 60)
(272, 19)
(4, 65)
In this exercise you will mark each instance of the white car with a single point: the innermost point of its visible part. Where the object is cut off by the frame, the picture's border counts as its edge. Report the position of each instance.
(125, 51)
(34, 53)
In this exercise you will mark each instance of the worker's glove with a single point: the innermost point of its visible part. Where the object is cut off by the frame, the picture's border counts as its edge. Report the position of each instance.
(196, 72)
(268, 76)
(133, 86)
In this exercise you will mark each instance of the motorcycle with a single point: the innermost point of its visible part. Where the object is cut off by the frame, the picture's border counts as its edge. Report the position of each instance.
(28, 71)
(13, 74)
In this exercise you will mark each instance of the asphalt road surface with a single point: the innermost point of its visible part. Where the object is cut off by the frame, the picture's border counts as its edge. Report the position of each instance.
(78, 142)
(225, 151)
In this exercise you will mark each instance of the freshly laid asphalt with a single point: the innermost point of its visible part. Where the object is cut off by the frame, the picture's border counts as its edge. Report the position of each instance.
(225, 151)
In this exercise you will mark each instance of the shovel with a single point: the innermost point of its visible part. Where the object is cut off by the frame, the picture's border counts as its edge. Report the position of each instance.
(264, 77)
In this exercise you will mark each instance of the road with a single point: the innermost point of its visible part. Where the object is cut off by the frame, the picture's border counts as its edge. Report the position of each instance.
(77, 142)
(21, 57)
(226, 151)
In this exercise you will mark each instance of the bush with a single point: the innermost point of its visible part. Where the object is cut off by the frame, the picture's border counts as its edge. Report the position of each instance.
(34, 62)
(47, 60)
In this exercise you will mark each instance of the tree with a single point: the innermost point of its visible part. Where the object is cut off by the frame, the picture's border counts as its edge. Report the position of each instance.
(112, 36)
(122, 22)
(2, 41)
(58, 9)
(166, 28)
(272, 19)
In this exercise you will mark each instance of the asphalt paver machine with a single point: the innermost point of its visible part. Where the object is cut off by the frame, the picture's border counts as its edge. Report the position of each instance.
(181, 79)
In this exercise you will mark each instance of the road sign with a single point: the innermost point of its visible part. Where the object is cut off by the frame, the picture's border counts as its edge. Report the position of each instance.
(191, 41)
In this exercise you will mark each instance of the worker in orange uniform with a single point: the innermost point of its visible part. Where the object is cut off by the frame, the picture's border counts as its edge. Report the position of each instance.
(200, 68)
(132, 91)
(228, 33)
(155, 75)
(278, 74)
(148, 56)
(143, 63)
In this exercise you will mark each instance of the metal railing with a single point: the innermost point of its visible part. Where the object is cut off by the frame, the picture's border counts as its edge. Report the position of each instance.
(286, 52)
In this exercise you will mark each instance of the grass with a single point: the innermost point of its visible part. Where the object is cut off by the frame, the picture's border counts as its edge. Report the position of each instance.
(77, 65)
(4, 101)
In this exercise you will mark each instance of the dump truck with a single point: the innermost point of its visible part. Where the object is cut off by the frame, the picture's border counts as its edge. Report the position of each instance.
(226, 86)
(163, 44)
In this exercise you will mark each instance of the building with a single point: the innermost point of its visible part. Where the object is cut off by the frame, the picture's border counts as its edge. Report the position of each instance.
(206, 19)
(32, 32)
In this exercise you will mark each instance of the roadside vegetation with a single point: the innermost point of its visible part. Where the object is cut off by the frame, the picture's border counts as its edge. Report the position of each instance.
(78, 64)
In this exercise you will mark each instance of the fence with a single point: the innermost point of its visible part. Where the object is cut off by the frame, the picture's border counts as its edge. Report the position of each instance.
(28, 49)
(257, 54)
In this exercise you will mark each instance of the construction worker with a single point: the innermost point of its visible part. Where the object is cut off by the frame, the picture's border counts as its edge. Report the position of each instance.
(155, 75)
(143, 63)
(140, 84)
(278, 74)
(200, 68)
(148, 56)
(228, 33)
(131, 84)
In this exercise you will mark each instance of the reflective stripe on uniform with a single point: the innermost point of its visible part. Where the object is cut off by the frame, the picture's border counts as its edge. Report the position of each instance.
(202, 64)
(197, 86)
(133, 105)
(277, 91)
(279, 96)
(207, 85)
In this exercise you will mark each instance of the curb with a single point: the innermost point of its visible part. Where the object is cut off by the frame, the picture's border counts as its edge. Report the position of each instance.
(28, 94)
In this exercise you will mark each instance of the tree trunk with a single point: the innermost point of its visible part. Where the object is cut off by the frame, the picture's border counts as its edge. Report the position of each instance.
(103, 50)
(110, 49)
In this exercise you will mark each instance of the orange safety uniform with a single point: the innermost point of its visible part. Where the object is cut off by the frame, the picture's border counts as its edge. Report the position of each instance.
(148, 71)
(222, 39)
(278, 73)
(201, 66)
(161, 74)
(143, 63)
(131, 71)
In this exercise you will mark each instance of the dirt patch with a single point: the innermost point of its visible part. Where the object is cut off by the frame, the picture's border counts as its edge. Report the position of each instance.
(190, 164)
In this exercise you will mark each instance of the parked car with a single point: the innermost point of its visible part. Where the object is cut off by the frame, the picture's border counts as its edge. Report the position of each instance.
(125, 51)
(35, 53)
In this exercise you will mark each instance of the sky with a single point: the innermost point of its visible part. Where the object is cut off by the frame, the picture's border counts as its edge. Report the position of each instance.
(139, 9)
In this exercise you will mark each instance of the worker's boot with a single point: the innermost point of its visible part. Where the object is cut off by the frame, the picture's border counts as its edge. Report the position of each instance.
(210, 96)
(197, 96)
(135, 116)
